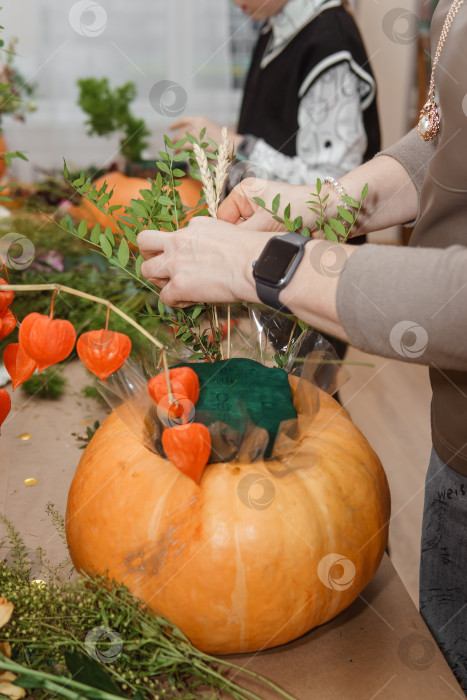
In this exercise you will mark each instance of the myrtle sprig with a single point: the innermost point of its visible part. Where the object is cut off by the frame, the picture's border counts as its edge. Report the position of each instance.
(158, 207)
(331, 228)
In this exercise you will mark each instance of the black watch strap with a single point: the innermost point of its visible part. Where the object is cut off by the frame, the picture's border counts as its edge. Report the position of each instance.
(270, 296)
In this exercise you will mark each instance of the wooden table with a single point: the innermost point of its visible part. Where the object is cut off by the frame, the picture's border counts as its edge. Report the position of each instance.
(378, 648)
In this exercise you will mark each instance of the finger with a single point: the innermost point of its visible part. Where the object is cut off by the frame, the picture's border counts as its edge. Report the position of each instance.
(180, 124)
(168, 298)
(236, 207)
(156, 272)
(151, 243)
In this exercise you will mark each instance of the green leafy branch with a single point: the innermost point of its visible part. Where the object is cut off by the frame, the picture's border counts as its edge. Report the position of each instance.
(158, 207)
(109, 111)
(337, 230)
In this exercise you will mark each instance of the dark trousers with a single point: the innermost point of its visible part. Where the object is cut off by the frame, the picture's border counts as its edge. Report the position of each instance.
(443, 563)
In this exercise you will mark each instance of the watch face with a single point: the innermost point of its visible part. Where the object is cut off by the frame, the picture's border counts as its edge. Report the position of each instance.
(275, 260)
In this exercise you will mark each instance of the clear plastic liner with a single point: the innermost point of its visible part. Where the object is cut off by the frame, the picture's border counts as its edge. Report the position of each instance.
(255, 334)
(126, 392)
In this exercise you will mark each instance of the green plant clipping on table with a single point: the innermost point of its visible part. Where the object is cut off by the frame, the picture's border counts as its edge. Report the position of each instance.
(84, 440)
(49, 384)
(93, 639)
(109, 112)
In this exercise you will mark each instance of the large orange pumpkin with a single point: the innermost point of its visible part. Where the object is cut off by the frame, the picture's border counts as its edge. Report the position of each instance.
(128, 188)
(246, 560)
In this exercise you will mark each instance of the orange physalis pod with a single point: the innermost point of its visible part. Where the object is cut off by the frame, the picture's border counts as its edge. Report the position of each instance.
(7, 323)
(177, 410)
(46, 340)
(18, 364)
(183, 381)
(103, 352)
(188, 448)
(6, 297)
(5, 405)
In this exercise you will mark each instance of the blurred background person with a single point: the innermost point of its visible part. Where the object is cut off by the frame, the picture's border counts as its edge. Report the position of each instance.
(309, 102)
(309, 105)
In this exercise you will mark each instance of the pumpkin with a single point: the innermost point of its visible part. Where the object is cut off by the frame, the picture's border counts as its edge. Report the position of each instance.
(255, 555)
(128, 188)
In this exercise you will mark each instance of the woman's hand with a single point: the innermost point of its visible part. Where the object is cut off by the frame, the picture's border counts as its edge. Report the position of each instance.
(194, 125)
(211, 261)
(208, 261)
(240, 208)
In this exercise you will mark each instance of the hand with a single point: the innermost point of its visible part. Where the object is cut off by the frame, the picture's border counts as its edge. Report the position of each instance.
(240, 208)
(194, 125)
(208, 261)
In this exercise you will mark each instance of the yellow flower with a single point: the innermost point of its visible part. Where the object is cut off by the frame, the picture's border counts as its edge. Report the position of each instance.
(15, 692)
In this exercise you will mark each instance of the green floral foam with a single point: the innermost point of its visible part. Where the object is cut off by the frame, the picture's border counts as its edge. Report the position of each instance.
(237, 393)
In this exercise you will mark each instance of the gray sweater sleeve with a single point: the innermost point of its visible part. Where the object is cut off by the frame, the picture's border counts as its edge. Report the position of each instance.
(414, 155)
(426, 319)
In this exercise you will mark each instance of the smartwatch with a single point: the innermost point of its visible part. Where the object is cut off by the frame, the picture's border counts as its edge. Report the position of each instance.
(276, 266)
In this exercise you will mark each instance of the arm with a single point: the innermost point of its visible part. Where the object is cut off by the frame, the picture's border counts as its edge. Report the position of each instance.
(407, 303)
(410, 304)
(331, 139)
(392, 198)
(210, 260)
(395, 179)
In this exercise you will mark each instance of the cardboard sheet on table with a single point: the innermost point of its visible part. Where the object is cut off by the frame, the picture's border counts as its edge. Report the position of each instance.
(378, 648)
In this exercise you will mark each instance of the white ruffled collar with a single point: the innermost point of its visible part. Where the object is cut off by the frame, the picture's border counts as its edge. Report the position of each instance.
(295, 15)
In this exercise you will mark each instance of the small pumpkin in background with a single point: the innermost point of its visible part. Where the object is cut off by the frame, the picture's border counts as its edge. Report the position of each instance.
(125, 189)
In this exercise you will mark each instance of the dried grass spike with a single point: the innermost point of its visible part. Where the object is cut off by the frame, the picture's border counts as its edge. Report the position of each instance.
(206, 180)
(223, 160)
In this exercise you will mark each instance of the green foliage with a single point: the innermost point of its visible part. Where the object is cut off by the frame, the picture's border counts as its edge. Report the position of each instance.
(337, 230)
(49, 384)
(48, 637)
(45, 235)
(109, 111)
(158, 207)
(90, 432)
(45, 195)
(14, 89)
(90, 391)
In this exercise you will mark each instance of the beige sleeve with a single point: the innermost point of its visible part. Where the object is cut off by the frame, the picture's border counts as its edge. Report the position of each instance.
(407, 303)
(414, 155)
